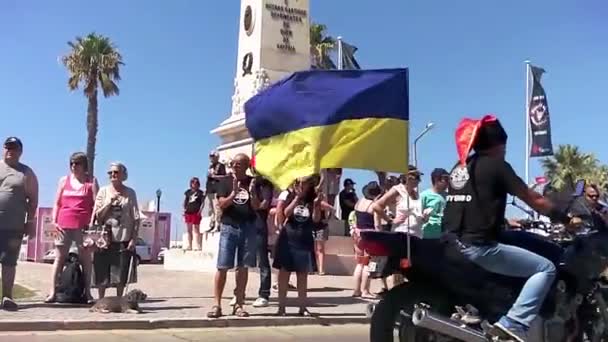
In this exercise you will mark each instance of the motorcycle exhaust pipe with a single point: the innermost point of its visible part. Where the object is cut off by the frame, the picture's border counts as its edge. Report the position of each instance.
(422, 318)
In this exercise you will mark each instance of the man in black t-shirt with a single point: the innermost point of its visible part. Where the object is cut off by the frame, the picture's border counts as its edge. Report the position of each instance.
(475, 213)
(216, 172)
(238, 234)
(264, 191)
(347, 198)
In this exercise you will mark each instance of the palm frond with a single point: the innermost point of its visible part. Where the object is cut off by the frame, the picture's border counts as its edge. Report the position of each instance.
(92, 60)
(569, 164)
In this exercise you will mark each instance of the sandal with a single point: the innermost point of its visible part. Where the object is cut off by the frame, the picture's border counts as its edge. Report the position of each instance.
(216, 312)
(369, 296)
(238, 311)
(356, 294)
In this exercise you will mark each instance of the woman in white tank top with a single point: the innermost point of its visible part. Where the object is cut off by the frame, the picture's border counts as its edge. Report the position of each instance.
(408, 216)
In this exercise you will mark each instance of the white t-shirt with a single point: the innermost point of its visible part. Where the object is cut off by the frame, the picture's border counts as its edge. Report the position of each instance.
(411, 209)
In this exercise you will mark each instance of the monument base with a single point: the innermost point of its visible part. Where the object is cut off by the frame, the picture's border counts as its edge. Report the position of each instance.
(339, 254)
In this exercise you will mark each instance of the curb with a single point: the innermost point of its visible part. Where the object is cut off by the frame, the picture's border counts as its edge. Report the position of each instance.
(175, 323)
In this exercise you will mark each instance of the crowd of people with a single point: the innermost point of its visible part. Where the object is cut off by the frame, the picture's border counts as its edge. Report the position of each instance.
(103, 223)
(259, 226)
(259, 223)
(248, 212)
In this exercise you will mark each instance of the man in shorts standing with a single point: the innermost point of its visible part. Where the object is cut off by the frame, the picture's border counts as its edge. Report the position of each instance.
(18, 203)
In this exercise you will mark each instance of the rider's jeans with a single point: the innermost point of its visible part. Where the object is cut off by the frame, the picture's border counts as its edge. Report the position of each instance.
(517, 262)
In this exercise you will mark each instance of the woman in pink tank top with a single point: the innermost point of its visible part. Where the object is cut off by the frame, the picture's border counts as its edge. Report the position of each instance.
(72, 214)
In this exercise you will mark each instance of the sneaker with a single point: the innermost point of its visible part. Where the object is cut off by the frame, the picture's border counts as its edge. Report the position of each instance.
(260, 303)
(512, 329)
(9, 304)
(233, 301)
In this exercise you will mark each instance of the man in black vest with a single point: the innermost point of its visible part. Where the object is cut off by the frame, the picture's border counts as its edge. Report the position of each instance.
(475, 213)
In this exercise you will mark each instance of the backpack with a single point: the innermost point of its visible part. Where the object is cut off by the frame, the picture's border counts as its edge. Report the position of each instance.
(70, 288)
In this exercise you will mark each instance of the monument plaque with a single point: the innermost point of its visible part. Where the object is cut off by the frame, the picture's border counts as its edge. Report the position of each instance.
(274, 41)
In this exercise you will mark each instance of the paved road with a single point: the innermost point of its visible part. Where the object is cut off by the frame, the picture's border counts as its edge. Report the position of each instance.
(350, 333)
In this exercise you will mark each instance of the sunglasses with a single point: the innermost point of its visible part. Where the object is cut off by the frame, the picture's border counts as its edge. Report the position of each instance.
(110, 173)
(11, 147)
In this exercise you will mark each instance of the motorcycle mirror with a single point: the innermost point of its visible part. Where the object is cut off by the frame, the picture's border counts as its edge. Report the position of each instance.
(579, 188)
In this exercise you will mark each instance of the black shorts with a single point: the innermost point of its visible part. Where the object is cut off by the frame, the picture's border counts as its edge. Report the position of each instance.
(10, 246)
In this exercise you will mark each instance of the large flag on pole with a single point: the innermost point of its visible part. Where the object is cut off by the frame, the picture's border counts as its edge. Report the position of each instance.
(540, 123)
(315, 120)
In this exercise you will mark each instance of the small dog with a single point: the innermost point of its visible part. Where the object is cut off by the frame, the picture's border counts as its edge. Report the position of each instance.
(139, 295)
(125, 304)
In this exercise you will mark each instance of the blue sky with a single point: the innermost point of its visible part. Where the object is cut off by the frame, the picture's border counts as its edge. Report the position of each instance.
(465, 59)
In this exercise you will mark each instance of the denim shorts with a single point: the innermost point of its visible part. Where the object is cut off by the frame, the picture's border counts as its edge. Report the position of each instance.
(237, 243)
(65, 237)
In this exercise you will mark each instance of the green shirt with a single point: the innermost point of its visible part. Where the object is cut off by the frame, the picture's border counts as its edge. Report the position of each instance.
(430, 199)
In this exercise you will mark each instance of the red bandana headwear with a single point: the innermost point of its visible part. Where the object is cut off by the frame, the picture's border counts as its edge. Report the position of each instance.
(478, 134)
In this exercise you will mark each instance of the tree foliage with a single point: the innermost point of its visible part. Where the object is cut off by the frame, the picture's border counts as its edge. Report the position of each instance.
(569, 164)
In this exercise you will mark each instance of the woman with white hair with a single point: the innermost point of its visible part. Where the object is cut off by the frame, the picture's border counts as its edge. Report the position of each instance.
(116, 210)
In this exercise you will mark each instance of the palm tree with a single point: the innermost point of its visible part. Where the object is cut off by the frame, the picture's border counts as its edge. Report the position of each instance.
(600, 177)
(93, 62)
(568, 164)
(320, 46)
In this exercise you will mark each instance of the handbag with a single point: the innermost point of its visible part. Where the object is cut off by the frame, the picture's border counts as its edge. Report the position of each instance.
(98, 235)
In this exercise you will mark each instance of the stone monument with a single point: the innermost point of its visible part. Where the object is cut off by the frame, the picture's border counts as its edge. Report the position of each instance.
(274, 41)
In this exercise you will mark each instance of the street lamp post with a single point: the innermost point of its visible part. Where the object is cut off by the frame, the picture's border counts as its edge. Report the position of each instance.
(159, 193)
(426, 129)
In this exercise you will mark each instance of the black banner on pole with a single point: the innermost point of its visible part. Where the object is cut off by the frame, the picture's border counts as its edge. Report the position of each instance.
(538, 112)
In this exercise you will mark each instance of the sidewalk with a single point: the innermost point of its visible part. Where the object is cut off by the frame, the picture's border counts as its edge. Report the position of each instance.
(180, 300)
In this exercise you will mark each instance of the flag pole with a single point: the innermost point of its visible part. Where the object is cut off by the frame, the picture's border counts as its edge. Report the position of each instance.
(340, 64)
(527, 119)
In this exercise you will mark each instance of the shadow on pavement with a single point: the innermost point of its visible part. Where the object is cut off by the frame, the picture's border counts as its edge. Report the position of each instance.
(167, 308)
(326, 289)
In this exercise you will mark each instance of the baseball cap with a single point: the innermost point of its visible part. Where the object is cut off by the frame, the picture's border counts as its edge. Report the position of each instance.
(13, 141)
(438, 173)
(414, 170)
(349, 181)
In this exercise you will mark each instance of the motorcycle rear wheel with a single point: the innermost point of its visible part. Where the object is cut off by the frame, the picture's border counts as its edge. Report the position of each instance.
(394, 311)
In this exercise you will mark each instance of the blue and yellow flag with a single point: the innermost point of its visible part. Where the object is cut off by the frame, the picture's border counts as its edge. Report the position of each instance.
(317, 119)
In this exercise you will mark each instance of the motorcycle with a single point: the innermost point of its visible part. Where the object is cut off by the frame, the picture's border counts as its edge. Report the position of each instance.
(448, 298)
